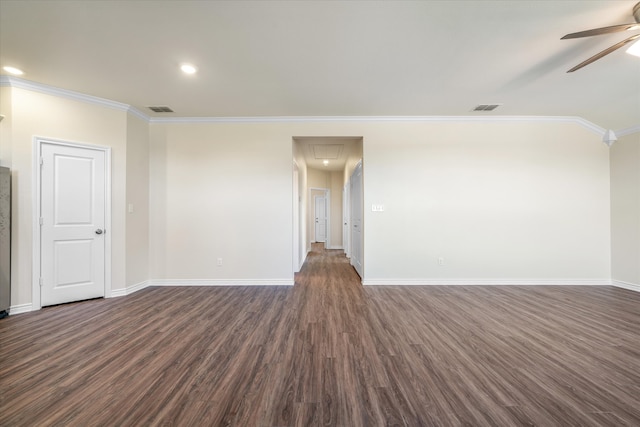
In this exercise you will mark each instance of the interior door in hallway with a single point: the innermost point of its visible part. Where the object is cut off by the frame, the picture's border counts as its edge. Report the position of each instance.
(320, 203)
(72, 245)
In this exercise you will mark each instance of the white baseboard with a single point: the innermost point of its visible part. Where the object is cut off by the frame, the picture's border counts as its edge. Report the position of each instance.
(626, 285)
(20, 308)
(221, 282)
(486, 282)
(128, 290)
(335, 247)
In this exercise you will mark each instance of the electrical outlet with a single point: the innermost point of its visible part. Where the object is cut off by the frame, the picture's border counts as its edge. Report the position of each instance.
(219, 262)
(440, 261)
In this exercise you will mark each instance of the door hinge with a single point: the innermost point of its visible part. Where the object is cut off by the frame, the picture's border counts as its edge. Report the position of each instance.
(41, 161)
(41, 221)
(41, 282)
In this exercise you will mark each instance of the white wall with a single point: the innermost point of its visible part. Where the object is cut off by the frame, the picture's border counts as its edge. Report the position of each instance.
(625, 211)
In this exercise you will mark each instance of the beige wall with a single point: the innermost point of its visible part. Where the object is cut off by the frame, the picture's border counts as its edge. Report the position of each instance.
(506, 201)
(336, 178)
(520, 201)
(137, 222)
(5, 127)
(625, 211)
(37, 114)
(303, 244)
(318, 178)
(355, 156)
(523, 201)
(220, 191)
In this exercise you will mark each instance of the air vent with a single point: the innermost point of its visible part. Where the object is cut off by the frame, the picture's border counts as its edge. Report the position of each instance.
(486, 107)
(161, 109)
(327, 151)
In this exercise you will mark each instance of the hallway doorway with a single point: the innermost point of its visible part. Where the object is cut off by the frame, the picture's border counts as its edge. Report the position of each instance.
(324, 166)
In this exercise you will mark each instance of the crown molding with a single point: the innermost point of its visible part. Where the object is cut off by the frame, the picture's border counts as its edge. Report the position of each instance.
(434, 119)
(19, 83)
(628, 131)
(139, 114)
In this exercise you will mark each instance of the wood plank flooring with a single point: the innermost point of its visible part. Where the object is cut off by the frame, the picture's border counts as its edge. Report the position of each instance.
(327, 352)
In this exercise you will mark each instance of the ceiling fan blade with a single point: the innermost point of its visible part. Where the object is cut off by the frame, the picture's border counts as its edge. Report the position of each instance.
(604, 53)
(603, 30)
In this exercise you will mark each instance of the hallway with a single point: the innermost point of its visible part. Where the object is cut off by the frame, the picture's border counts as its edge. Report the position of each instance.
(327, 352)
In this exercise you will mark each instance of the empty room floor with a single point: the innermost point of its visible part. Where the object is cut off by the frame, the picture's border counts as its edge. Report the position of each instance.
(327, 352)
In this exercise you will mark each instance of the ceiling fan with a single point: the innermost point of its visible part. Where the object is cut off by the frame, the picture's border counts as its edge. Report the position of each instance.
(607, 30)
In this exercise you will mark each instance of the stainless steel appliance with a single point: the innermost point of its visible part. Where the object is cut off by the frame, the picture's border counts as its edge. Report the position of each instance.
(5, 241)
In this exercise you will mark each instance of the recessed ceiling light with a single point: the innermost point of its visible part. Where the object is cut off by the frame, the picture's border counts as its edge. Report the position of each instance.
(325, 162)
(13, 70)
(188, 69)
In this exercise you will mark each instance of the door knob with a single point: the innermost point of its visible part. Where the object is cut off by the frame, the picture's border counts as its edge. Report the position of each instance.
(99, 231)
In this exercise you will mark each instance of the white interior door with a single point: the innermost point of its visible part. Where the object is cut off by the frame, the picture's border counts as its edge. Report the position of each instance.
(356, 219)
(72, 244)
(321, 218)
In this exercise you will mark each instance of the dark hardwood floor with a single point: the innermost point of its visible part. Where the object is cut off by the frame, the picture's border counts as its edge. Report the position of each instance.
(327, 352)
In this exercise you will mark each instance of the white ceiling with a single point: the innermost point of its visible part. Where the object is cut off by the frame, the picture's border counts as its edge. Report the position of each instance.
(330, 58)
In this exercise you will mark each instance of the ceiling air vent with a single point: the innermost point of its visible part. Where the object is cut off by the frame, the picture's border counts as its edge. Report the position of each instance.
(486, 107)
(161, 109)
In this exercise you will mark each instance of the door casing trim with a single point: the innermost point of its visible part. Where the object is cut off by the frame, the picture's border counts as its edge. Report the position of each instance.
(36, 302)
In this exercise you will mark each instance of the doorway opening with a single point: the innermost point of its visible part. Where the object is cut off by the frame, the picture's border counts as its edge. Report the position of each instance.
(323, 205)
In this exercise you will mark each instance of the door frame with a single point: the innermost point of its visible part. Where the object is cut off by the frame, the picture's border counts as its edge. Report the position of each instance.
(327, 205)
(36, 302)
(362, 221)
